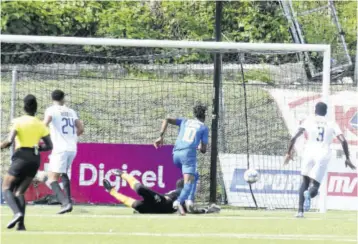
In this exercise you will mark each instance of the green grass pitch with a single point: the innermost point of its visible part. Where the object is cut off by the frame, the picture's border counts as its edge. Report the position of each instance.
(112, 224)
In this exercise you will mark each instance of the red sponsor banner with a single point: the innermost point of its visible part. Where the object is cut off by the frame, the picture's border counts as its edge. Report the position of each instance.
(342, 184)
(95, 162)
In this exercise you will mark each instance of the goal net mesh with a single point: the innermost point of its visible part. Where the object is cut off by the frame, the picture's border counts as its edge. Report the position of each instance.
(122, 94)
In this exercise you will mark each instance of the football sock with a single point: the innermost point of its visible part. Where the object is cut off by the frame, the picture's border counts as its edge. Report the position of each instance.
(22, 204)
(304, 186)
(184, 194)
(130, 179)
(60, 196)
(193, 189)
(66, 186)
(314, 189)
(128, 201)
(11, 201)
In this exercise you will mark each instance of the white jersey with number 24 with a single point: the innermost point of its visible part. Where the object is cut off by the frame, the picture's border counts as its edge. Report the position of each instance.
(62, 128)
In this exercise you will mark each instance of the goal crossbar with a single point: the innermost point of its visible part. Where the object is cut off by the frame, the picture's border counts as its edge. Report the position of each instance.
(163, 43)
(238, 46)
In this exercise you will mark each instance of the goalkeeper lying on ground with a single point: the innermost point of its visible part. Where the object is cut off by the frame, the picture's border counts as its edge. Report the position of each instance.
(153, 202)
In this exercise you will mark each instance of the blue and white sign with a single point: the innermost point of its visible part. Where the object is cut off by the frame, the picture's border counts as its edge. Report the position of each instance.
(277, 187)
(271, 181)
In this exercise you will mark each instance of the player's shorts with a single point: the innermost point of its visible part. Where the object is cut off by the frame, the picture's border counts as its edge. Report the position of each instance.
(314, 165)
(24, 163)
(186, 162)
(60, 162)
(153, 202)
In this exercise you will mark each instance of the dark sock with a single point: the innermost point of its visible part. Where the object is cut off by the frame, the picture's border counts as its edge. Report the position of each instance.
(57, 190)
(22, 204)
(314, 189)
(66, 186)
(11, 201)
(304, 186)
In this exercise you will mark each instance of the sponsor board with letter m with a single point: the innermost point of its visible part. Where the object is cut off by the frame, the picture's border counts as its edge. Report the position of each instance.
(342, 184)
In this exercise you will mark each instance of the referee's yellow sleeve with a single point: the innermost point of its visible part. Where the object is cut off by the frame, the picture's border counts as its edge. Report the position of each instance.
(14, 125)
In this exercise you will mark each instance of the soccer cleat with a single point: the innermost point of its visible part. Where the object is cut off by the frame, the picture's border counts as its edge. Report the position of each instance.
(213, 209)
(299, 215)
(65, 209)
(307, 202)
(17, 218)
(189, 205)
(118, 172)
(177, 206)
(21, 227)
(107, 185)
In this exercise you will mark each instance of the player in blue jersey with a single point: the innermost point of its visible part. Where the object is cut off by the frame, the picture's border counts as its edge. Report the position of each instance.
(193, 135)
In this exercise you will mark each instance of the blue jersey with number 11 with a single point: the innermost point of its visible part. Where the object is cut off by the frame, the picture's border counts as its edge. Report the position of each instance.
(191, 133)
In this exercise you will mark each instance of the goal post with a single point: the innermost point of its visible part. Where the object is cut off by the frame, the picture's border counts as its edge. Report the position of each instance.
(144, 80)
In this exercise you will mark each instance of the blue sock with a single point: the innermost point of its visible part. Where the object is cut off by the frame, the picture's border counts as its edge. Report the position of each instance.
(185, 192)
(193, 189)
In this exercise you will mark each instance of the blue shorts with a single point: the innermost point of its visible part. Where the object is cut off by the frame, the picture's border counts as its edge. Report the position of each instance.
(185, 162)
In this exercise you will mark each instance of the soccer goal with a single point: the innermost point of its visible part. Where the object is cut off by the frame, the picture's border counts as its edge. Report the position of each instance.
(124, 88)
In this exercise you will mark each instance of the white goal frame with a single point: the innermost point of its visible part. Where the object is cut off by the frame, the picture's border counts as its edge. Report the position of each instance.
(326, 49)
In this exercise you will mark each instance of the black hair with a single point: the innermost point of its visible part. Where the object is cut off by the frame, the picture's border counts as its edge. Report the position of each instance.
(57, 95)
(30, 104)
(180, 183)
(199, 111)
(321, 109)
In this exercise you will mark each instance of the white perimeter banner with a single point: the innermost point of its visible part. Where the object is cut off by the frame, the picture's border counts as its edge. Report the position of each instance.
(278, 185)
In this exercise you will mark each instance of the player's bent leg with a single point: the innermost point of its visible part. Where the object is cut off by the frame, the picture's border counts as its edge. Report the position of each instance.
(70, 156)
(189, 204)
(19, 194)
(7, 188)
(304, 186)
(66, 186)
(184, 194)
(128, 178)
(313, 190)
(58, 166)
(55, 186)
(128, 201)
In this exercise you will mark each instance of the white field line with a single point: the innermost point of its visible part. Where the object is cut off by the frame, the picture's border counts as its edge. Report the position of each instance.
(198, 235)
(174, 216)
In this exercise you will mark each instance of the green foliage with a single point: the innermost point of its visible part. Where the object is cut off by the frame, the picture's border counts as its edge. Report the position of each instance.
(246, 21)
(262, 75)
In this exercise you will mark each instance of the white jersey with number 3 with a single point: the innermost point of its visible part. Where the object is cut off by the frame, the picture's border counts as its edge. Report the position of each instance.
(317, 153)
(320, 132)
(62, 128)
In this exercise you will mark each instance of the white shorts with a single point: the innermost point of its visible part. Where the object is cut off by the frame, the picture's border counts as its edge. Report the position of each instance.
(60, 162)
(314, 165)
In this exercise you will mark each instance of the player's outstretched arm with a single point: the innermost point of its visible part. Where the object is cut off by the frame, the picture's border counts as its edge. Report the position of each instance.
(344, 143)
(159, 141)
(204, 141)
(47, 146)
(47, 119)
(9, 140)
(292, 144)
(79, 127)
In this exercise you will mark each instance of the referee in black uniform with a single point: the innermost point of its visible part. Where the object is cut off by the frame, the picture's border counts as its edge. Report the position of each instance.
(26, 131)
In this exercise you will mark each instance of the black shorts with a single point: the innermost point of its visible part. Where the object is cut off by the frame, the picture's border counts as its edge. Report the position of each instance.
(24, 163)
(152, 202)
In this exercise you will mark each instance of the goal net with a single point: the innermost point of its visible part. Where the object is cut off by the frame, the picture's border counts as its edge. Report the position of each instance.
(122, 89)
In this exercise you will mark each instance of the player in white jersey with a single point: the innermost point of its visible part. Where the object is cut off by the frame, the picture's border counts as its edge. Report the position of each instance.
(65, 127)
(317, 153)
